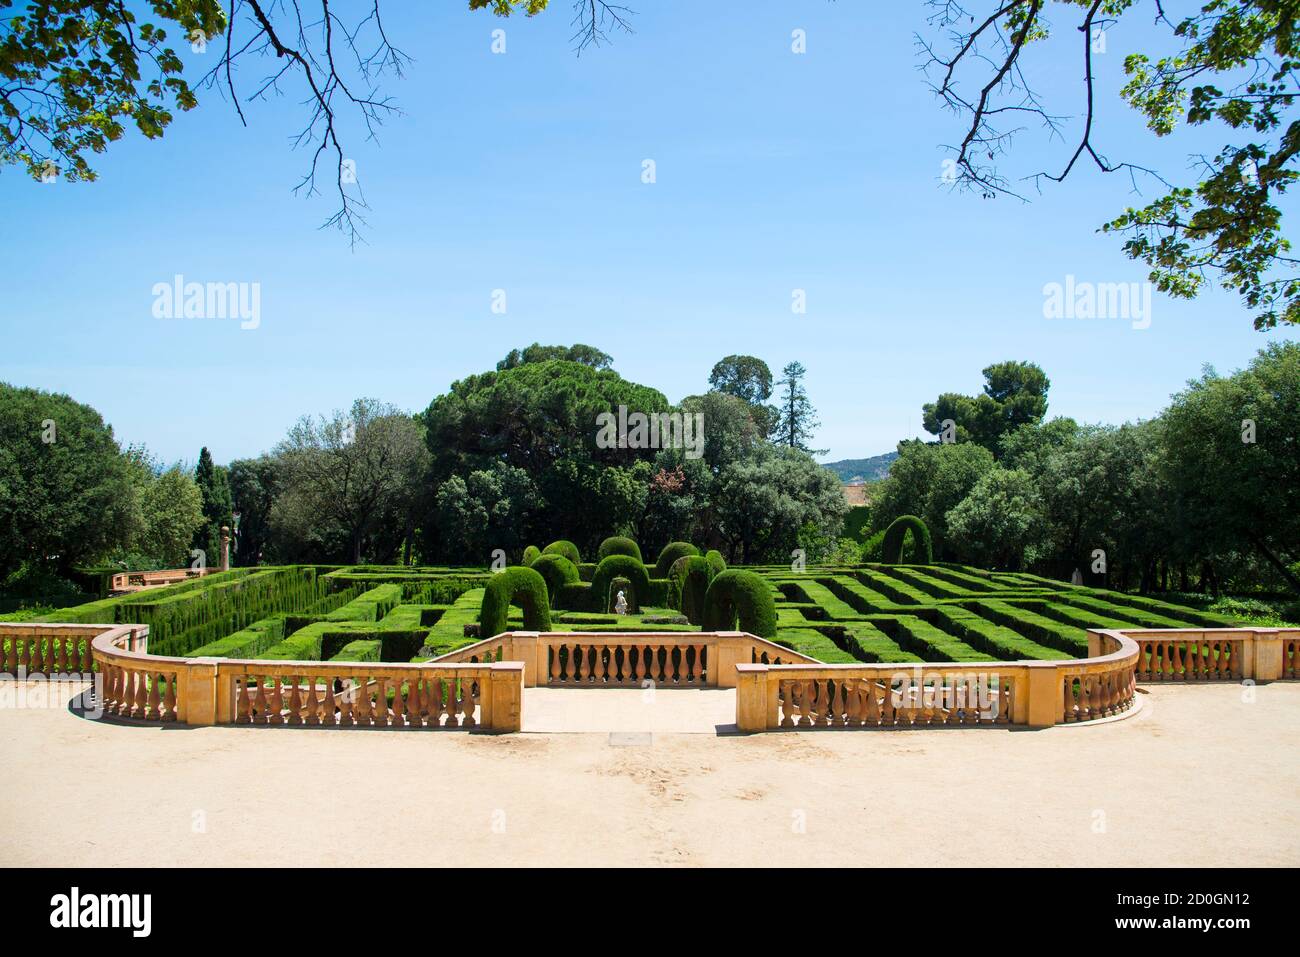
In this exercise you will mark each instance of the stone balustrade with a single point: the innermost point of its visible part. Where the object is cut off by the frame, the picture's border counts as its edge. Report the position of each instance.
(481, 685)
(206, 691)
(681, 659)
(47, 649)
(1028, 693)
(1217, 654)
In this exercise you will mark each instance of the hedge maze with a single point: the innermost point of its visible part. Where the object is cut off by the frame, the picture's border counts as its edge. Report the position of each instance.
(869, 612)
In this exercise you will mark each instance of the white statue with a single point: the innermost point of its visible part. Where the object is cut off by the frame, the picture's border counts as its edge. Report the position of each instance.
(620, 603)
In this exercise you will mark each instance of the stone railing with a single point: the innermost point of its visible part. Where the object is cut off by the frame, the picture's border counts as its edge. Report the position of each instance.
(1029, 693)
(627, 659)
(50, 649)
(205, 691)
(1215, 654)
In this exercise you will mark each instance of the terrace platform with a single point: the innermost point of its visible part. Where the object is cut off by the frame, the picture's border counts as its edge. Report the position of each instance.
(1203, 775)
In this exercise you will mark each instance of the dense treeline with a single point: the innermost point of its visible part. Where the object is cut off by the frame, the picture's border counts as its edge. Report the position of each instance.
(1206, 496)
(507, 457)
(1202, 497)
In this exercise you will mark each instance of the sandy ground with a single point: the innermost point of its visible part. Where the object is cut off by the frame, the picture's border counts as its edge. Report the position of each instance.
(1199, 777)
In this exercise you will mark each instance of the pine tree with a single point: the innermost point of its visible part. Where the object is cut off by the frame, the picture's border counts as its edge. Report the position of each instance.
(214, 485)
(797, 417)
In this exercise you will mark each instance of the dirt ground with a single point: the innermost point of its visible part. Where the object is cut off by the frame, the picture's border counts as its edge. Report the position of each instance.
(1198, 777)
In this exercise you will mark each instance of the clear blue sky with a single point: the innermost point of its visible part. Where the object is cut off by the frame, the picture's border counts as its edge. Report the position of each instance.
(522, 172)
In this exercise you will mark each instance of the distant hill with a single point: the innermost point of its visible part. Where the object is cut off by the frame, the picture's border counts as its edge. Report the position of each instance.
(862, 470)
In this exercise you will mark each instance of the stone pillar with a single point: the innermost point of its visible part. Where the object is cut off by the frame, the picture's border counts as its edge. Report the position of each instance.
(523, 646)
(225, 548)
(198, 697)
(729, 648)
(1046, 703)
(751, 697)
(506, 687)
(1266, 661)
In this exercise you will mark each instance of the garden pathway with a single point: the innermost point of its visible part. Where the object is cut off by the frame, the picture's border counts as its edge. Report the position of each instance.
(630, 710)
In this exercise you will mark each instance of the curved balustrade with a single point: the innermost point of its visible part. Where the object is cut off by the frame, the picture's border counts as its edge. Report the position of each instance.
(329, 693)
(482, 684)
(1032, 693)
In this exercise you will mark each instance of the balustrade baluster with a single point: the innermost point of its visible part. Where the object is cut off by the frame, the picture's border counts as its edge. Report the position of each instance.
(633, 664)
(276, 704)
(808, 704)
(295, 702)
(310, 713)
(380, 711)
(788, 706)
(243, 706)
(361, 701)
(169, 698)
(328, 717)
(467, 688)
(575, 659)
(415, 703)
(399, 706)
(60, 665)
(260, 707)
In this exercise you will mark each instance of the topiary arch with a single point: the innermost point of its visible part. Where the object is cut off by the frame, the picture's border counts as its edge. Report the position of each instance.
(690, 576)
(735, 594)
(531, 554)
(514, 585)
(897, 532)
(673, 551)
(619, 566)
(618, 545)
(558, 571)
(563, 547)
(715, 560)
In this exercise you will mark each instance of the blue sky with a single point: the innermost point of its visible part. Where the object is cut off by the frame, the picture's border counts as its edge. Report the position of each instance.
(522, 172)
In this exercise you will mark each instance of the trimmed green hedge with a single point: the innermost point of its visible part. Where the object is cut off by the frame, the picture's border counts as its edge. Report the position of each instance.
(531, 554)
(362, 649)
(518, 585)
(744, 596)
(619, 566)
(246, 643)
(897, 531)
(716, 561)
(558, 571)
(671, 553)
(564, 547)
(618, 545)
(689, 578)
(856, 520)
